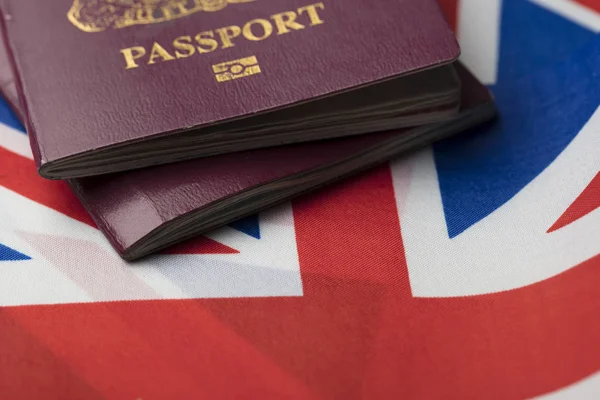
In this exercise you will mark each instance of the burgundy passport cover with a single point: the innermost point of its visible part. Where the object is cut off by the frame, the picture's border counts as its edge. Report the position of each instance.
(95, 73)
(130, 205)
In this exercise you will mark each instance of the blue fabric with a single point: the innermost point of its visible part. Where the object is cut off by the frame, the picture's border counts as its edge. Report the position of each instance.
(478, 173)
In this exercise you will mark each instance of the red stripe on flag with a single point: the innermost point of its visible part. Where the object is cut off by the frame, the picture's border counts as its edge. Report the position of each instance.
(517, 344)
(592, 4)
(351, 256)
(31, 371)
(350, 226)
(588, 201)
(450, 9)
(154, 350)
(21, 177)
(102, 350)
(356, 332)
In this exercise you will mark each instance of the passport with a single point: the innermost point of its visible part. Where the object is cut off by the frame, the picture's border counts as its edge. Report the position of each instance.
(7, 83)
(114, 85)
(145, 210)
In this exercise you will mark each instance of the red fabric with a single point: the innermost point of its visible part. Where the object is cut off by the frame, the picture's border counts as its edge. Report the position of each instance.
(593, 4)
(356, 331)
(450, 8)
(587, 202)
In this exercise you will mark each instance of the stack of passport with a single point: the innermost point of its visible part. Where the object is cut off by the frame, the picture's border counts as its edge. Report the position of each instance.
(169, 118)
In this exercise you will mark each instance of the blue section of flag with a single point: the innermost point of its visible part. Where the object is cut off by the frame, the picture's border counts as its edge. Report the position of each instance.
(8, 254)
(539, 116)
(8, 117)
(249, 226)
(533, 37)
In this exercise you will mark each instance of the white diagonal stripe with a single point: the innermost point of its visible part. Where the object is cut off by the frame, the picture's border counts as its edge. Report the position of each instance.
(479, 36)
(588, 388)
(573, 11)
(509, 248)
(15, 141)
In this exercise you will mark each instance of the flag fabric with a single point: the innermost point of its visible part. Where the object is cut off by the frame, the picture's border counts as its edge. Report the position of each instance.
(470, 269)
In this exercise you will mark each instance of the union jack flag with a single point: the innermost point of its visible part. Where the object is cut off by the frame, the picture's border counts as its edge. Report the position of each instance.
(468, 270)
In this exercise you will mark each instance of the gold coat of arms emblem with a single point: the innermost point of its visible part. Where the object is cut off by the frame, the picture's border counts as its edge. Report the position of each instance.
(100, 15)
